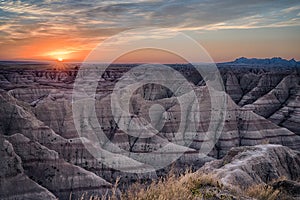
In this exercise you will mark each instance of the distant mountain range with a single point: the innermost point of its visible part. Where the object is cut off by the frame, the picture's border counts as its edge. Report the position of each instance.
(266, 61)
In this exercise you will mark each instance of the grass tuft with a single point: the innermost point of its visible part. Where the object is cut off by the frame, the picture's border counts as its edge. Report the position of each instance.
(262, 192)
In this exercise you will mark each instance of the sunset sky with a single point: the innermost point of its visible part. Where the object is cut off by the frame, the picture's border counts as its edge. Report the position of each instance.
(69, 29)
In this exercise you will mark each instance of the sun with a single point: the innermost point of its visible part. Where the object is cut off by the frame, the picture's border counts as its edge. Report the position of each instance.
(60, 59)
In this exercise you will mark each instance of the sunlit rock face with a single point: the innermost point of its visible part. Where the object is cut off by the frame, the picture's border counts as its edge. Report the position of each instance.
(243, 167)
(38, 123)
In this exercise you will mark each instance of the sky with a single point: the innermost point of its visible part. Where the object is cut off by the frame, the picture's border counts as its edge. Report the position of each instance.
(71, 29)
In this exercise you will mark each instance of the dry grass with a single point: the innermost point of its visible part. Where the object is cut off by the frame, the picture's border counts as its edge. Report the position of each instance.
(170, 187)
(188, 186)
(262, 192)
(265, 192)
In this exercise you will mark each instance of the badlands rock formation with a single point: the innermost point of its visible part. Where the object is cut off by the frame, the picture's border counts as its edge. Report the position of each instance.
(53, 158)
(246, 166)
(268, 87)
(60, 177)
(14, 183)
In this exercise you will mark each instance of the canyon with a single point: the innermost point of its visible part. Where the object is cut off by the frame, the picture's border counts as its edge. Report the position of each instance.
(47, 154)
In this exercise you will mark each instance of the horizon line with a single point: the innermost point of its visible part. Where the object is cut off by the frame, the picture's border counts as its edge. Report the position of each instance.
(55, 61)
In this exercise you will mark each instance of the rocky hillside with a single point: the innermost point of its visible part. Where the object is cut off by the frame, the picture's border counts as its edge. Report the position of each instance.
(243, 167)
(247, 173)
(41, 147)
(271, 91)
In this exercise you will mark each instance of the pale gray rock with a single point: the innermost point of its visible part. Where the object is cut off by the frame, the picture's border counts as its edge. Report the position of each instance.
(72, 150)
(232, 87)
(14, 183)
(271, 102)
(38, 105)
(265, 84)
(281, 104)
(245, 166)
(61, 178)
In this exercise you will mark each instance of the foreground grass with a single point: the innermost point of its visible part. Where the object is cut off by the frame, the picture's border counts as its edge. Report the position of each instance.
(263, 192)
(172, 187)
(189, 187)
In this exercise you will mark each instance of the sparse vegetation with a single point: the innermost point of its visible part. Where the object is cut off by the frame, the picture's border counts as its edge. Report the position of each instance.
(186, 186)
(189, 186)
(262, 192)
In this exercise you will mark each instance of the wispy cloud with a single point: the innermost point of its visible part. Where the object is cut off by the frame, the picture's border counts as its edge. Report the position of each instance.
(291, 9)
(93, 20)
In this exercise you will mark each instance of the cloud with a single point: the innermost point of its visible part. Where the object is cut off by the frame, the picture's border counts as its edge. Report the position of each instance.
(95, 15)
(291, 9)
(92, 20)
